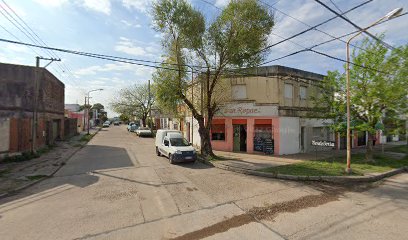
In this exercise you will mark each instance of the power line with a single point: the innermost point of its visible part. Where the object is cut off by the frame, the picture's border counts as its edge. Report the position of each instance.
(332, 57)
(34, 38)
(335, 5)
(309, 49)
(310, 27)
(325, 42)
(354, 25)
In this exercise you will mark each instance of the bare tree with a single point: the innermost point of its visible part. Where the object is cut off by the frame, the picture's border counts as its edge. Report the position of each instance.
(134, 100)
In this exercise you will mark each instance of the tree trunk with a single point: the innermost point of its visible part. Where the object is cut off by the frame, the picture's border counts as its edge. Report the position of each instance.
(144, 121)
(369, 149)
(206, 148)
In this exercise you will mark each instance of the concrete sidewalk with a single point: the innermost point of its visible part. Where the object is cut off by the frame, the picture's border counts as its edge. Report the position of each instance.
(19, 175)
(258, 161)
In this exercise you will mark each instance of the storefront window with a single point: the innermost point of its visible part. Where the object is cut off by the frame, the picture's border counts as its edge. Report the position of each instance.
(263, 138)
(218, 132)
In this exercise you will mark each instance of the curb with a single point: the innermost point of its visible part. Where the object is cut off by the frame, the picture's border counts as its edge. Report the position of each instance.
(330, 179)
(6, 194)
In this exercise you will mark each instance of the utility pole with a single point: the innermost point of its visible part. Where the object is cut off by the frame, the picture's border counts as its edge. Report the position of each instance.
(85, 111)
(34, 122)
(192, 102)
(88, 109)
(150, 109)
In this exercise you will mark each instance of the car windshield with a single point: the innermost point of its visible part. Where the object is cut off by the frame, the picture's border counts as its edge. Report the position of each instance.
(179, 142)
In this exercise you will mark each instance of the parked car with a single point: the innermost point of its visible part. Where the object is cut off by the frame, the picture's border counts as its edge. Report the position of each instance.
(171, 144)
(116, 123)
(132, 126)
(106, 124)
(144, 132)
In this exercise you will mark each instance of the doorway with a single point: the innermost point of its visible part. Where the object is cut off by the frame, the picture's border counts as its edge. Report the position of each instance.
(240, 138)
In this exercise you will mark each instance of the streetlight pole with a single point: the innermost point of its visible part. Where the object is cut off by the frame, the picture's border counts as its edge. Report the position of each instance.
(88, 108)
(394, 13)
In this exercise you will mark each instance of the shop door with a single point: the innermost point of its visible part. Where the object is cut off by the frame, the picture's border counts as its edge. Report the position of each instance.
(240, 136)
(237, 145)
(302, 139)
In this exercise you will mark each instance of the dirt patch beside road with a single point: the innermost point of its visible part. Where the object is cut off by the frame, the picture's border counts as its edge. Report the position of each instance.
(220, 227)
(270, 212)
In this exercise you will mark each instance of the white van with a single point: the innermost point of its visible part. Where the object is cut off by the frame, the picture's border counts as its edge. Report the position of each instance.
(171, 144)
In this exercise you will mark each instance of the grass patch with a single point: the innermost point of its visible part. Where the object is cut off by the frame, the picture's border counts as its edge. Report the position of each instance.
(4, 171)
(25, 156)
(399, 149)
(35, 177)
(86, 137)
(28, 155)
(336, 167)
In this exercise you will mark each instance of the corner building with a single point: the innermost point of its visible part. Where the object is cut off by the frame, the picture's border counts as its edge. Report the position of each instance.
(268, 112)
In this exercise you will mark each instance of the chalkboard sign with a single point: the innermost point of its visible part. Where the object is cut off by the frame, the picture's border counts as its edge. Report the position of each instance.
(268, 147)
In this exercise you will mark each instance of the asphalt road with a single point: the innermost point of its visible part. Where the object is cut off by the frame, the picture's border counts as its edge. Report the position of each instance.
(117, 188)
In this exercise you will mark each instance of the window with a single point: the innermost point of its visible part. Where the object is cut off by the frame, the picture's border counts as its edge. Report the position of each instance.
(303, 93)
(288, 90)
(238, 92)
(218, 132)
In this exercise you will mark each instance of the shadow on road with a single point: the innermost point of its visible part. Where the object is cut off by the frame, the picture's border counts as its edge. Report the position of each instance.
(76, 173)
(194, 165)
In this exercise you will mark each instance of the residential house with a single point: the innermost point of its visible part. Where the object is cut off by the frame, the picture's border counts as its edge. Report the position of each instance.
(23, 91)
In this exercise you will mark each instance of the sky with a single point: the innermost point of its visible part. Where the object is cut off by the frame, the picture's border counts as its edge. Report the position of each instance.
(123, 28)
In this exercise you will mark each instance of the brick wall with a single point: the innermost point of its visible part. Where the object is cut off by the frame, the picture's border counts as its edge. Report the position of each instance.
(17, 105)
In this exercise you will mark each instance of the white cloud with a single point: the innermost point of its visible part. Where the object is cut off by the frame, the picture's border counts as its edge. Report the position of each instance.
(51, 3)
(128, 46)
(140, 5)
(129, 24)
(103, 6)
(139, 71)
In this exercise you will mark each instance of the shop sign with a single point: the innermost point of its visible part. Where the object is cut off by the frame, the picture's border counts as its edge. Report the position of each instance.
(323, 143)
(247, 109)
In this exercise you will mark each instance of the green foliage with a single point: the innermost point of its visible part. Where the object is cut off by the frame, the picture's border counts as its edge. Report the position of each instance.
(98, 106)
(86, 137)
(375, 95)
(36, 177)
(25, 156)
(240, 32)
(336, 168)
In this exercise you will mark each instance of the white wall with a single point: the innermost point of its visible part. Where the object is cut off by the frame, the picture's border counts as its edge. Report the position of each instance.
(196, 135)
(309, 124)
(289, 131)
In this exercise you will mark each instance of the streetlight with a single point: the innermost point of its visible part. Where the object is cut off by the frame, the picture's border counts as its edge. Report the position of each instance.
(394, 13)
(87, 112)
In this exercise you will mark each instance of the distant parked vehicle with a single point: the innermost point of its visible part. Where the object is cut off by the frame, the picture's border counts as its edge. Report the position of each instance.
(132, 126)
(116, 123)
(144, 132)
(106, 124)
(171, 144)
